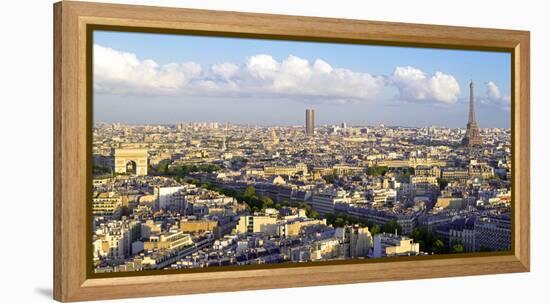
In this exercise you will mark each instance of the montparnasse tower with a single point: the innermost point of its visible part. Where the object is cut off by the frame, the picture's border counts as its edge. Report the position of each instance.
(472, 138)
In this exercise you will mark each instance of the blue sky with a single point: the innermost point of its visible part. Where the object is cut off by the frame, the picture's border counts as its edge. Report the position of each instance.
(154, 78)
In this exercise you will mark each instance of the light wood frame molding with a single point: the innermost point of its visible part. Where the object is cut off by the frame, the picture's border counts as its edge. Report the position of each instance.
(71, 111)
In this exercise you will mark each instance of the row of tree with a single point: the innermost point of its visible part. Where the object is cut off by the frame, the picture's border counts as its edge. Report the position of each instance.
(428, 241)
(376, 171)
(100, 170)
(250, 197)
(341, 220)
(163, 169)
(431, 243)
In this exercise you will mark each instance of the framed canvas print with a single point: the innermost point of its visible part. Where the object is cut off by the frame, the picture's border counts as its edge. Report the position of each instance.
(205, 151)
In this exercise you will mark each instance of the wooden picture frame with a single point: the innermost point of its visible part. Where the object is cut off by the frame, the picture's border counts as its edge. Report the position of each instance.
(72, 23)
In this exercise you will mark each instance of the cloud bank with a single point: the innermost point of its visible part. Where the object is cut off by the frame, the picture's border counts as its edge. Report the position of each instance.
(414, 85)
(117, 72)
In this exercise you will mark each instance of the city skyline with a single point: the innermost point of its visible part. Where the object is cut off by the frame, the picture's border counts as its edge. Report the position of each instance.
(263, 82)
(181, 181)
(198, 195)
(472, 137)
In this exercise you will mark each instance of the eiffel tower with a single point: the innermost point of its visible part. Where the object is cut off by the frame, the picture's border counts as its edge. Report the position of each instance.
(472, 138)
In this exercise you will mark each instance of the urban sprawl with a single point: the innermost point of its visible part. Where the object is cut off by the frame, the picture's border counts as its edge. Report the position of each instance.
(208, 194)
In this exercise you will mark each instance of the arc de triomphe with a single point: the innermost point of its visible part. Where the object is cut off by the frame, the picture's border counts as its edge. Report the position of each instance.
(132, 161)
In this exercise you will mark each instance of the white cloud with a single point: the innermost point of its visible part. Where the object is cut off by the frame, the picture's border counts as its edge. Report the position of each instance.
(493, 95)
(122, 72)
(119, 72)
(414, 85)
(322, 67)
(444, 87)
(298, 77)
(262, 66)
(493, 92)
(262, 75)
(225, 70)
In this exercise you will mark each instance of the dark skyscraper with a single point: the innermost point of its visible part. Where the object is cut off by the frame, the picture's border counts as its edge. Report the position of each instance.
(472, 137)
(310, 121)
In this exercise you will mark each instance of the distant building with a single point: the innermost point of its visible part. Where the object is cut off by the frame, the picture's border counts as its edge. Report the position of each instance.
(273, 135)
(412, 162)
(424, 185)
(455, 174)
(342, 170)
(299, 168)
(310, 121)
(427, 171)
(480, 170)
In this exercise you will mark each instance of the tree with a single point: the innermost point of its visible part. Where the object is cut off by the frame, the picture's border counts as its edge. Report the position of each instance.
(375, 229)
(312, 214)
(425, 238)
(439, 247)
(458, 248)
(406, 173)
(184, 170)
(229, 192)
(391, 226)
(249, 192)
(339, 222)
(330, 178)
(442, 183)
(339, 219)
(162, 167)
(330, 217)
(101, 170)
(255, 203)
(192, 181)
(125, 211)
(267, 202)
(285, 203)
(377, 170)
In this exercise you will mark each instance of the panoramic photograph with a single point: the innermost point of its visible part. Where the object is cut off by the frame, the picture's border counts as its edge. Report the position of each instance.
(213, 152)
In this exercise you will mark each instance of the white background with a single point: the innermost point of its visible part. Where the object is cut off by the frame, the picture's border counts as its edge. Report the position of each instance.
(26, 149)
